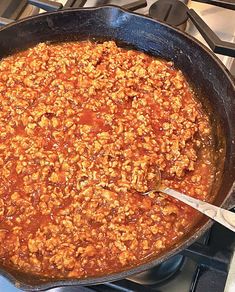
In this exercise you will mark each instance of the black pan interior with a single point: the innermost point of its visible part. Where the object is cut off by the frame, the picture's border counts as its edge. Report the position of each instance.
(212, 82)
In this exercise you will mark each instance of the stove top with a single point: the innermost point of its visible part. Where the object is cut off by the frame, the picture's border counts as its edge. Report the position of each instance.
(209, 264)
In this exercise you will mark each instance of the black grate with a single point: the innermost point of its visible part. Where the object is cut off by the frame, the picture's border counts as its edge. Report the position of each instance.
(12, 8)
(208, 280)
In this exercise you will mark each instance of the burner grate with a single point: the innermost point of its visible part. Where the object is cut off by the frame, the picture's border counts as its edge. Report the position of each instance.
(208, 280)
(12, 8)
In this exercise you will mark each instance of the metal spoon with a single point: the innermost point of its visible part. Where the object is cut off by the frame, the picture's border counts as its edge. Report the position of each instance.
(224, 217)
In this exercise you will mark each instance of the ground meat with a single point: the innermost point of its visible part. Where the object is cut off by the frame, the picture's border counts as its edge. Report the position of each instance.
(85, 128)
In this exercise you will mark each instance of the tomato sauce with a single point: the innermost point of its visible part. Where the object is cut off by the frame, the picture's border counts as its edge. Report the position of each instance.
(85, 129)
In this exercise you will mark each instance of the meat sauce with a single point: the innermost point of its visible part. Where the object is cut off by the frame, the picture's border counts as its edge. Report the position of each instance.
(84, 129)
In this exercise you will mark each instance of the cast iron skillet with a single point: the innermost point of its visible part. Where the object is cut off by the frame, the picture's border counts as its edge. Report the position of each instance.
(205, 72)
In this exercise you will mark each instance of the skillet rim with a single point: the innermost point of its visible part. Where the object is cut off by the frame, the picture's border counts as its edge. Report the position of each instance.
(179, 246)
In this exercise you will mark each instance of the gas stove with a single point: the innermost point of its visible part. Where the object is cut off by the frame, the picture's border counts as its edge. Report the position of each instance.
(209, 264)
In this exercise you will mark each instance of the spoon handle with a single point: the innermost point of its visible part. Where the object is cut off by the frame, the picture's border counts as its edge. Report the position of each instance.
(224, 217)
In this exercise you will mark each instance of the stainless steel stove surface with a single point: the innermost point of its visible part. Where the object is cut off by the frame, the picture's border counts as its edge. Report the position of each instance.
(207, 264)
